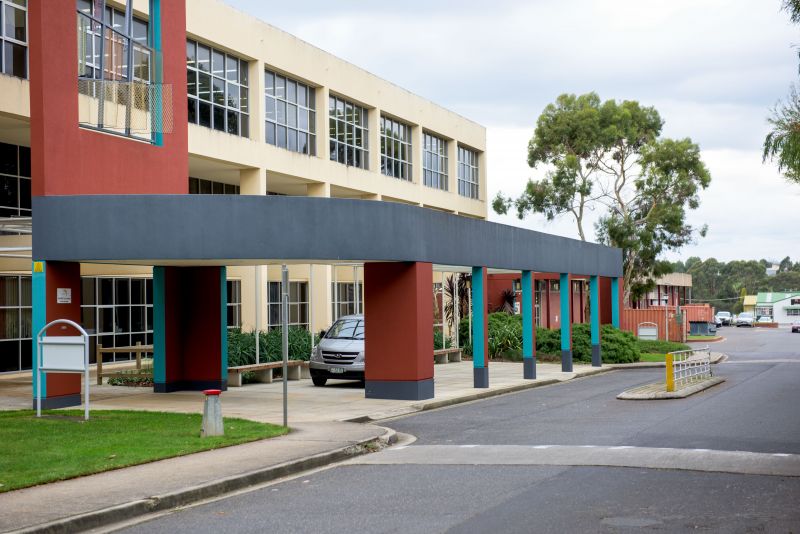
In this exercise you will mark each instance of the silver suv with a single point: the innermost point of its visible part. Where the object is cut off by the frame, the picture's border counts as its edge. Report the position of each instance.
(340, 353)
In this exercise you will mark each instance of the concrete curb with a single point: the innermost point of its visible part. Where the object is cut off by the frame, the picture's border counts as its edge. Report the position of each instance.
(680, 394)
(192, 494)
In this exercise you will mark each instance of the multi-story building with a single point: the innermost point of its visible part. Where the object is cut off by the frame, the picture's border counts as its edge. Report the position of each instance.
(268, 114)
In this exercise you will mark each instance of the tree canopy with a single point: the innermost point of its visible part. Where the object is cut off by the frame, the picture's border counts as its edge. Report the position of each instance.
(609, 156)
(782, 144)
(725, 284)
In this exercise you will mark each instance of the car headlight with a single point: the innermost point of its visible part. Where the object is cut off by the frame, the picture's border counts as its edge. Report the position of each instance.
(360, 357)
(316, 354)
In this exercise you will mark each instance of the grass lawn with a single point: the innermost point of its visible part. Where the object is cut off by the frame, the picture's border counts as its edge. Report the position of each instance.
(701, 338)
(653, 357)
(61, 445)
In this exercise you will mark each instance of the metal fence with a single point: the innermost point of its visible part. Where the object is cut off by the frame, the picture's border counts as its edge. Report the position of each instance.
(686, 367)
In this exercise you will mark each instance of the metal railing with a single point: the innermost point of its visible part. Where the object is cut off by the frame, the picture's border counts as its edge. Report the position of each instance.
(134, 109)
(686, 367)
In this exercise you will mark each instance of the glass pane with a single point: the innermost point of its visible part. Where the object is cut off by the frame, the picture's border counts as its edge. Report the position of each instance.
(243, 73)
(26, 353)
(8, 191)
(204, 114)
(9, 356)
(291, 115)
(281, 137)
(9, 323)
(122, 319)
(291, 139)
(219, 118)
(291, 91)
(270, 109)
(138, 318)
(203, 58)
(122, 288)
(105, 319)
(243, 100)
(280, 87)
(106, 291)
(87, 291)
(192, 110)
(88, 319)
(301, 95)
(270, 133)
(217, 188)
(233, 122)
(14, 62)
(14, 22)
(270, 83)
(218, 89)
(233, 96)
(204, 86)
(232, 69)
(218, 63)
(191, 82)
(25, 290)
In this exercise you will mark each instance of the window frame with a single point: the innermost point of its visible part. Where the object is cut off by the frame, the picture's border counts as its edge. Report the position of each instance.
(397, 140)
(13, 40)
(468, 182)
(273, 102)
(435, 149)
(342, 149)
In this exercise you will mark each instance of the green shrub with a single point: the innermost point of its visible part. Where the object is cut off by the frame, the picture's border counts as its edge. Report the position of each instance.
(437, 340)
(242, 346)
(505, 339)
(660, 347)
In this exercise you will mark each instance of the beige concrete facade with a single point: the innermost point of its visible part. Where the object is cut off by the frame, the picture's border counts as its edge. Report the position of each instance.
(259, 168)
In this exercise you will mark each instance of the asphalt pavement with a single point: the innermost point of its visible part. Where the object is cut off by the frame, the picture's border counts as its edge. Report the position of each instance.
(522, 462)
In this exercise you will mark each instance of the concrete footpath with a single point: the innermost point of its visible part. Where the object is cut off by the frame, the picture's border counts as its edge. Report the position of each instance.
(326, 428)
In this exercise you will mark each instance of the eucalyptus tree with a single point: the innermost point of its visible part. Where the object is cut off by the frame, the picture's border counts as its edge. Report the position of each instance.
(608, 156)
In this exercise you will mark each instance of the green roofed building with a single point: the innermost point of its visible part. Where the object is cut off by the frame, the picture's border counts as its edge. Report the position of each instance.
(783, 307)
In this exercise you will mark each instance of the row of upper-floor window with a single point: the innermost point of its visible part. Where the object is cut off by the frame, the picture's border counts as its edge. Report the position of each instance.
(112, 46)
(218, 96)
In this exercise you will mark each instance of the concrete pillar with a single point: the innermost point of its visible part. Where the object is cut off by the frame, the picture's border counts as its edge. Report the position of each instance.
(398, 335)
(452, 165)
(594, 309)
(58, 389)
(528, 328)
(190, 334)
(566, 324)
(374, 140)
(255, 81)
(615, 296)
(322, 125)
(480, 328)
(253, 181)
(416, 155)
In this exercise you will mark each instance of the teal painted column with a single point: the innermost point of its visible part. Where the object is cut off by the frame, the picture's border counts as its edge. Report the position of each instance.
(38, 320)
(594, 299)
(480, 326)
(565, 291)
(157, 96)
(223, 338)
(528, 328)
(615, 302)
(159, 328)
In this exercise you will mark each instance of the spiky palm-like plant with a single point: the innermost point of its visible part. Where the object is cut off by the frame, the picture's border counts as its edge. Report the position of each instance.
(782, 144)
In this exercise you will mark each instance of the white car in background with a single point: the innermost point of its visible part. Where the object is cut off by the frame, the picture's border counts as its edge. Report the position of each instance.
(745, 319)
(723, 318)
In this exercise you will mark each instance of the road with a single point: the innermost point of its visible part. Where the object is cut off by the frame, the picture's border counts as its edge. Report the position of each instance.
(563, 458)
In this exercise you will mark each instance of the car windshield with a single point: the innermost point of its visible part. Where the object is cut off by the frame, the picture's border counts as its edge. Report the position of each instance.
(724, 314)
(745, 315)
(346, 329)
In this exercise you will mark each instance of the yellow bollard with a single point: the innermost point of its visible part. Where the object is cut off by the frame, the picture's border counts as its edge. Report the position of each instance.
(670, 373)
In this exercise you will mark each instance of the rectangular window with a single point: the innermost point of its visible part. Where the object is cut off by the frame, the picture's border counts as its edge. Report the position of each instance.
(343, 298)
(434, 161)
(395, 149)
(198, 186)
(15, 323)
(14, 38)
(298, 304)
(290, 114)
(348, 133)
(234, 303)
(793, 312)
(116, 312)
(15, 181)
(217, 89)
(467, 173)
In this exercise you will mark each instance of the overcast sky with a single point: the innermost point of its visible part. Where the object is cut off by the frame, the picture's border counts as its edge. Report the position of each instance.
(712, 68)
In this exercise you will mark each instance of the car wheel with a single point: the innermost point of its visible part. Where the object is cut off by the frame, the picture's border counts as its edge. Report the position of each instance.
(319, 381)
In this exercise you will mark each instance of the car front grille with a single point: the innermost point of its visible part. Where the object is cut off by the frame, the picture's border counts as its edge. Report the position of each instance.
(339, 358)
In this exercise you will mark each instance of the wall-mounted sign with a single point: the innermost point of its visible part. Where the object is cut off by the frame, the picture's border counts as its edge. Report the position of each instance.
(64, 295)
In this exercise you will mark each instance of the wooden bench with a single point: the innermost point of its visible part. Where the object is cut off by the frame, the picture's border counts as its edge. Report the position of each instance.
(295, 370)
(139, 349)
(447, 355)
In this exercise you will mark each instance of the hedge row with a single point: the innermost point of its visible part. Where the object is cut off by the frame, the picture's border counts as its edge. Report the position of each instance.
(242, 346)
(505, 339)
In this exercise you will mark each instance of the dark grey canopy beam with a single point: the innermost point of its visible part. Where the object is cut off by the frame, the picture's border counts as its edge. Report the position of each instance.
(240, 229)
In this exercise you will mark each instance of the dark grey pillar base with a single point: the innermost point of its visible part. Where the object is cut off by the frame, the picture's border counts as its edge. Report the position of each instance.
(399, 389)
(190, 385)
(566, 361)
(597, 360)
(529, 368)
(480, 377)
(52, 403)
